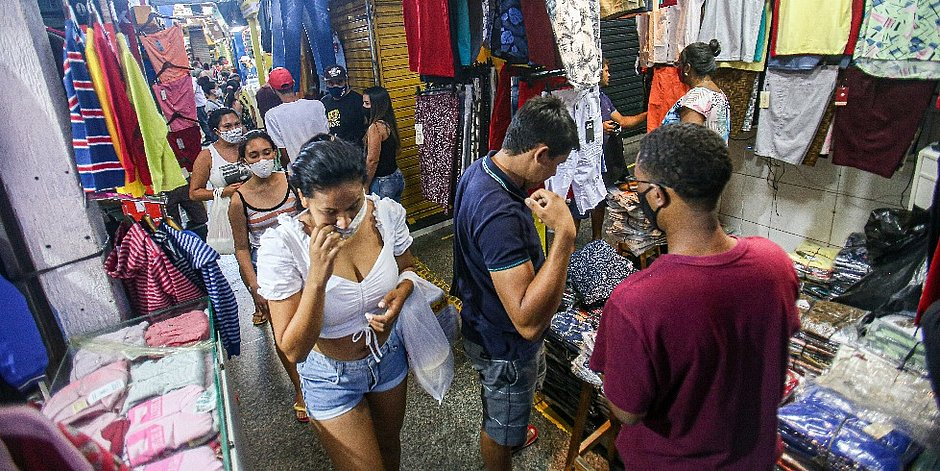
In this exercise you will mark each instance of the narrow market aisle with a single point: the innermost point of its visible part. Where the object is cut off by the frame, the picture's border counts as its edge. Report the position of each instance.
(434, 436)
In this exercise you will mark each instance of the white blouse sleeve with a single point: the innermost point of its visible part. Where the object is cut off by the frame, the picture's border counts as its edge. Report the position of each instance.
(394, 219)
(279, 275)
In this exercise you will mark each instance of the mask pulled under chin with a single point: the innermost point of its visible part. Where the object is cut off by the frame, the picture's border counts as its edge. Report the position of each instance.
(355, 223)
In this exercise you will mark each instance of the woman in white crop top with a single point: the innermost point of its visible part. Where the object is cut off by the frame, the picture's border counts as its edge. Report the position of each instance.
(332, 278)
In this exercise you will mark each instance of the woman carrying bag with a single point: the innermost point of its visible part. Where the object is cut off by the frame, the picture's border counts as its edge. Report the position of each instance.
(218, 165)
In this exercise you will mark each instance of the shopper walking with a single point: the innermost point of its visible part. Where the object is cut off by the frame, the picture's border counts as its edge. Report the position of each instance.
(218, 159)
(259, 203)
(344, 112)
(334, 277)
(694, 351)
(267, 99)
(705, 103)
(614, 163)
(382, 145)
(213, 97)
(201, 113)
(509, 288)
(292, 123)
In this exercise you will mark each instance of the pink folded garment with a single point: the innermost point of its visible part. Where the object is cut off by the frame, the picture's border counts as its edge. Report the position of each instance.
(105, 349)
(185, 329)
(179, 418)
(107, 430)
(102, 391)
(201, 459)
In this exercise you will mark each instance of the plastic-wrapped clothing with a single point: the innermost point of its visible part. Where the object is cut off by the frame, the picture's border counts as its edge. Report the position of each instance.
(183, 330)
(106, 349)
(97, 393)
(169, 422)
(202, 459)
(158, 377)
(23, 358)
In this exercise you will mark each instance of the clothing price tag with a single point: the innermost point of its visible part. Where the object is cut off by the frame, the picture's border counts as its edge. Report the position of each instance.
(419, 134)
(878, 430)
(180, 143)
(205, 402)
(764, 99)
(105, 391)
(589, 130)
(79, 405)
(842, 96)
(140, 206)
(163, 95)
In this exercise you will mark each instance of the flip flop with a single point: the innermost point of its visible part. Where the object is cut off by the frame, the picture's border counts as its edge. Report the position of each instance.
(300, 412)
(531, 435)
(258, 319)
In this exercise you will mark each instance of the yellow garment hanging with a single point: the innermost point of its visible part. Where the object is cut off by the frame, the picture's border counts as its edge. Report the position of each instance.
(164, 168)
(132, 186)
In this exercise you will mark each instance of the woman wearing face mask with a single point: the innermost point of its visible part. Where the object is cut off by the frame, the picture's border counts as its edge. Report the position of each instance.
(382, 144)
(213, 97)
(218, 159)
(705, 104)
(336, 277)
(259, 203)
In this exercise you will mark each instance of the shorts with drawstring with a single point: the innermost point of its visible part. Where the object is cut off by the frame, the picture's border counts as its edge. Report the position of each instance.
(332, 387)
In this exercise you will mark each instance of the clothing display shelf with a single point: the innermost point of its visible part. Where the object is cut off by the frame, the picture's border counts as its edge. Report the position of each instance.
(113, 345)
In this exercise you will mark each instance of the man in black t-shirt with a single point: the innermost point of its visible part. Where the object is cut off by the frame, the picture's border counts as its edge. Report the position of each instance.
(343, 107)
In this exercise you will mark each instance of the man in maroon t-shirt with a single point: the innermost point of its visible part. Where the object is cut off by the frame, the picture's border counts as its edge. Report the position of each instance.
(694, 348)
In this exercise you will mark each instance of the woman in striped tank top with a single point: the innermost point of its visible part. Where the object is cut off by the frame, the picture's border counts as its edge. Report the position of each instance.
(259, 202)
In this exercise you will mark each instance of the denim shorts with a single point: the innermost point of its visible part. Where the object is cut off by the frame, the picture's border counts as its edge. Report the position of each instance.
(390, 186)
(332, 387)
(508, 390)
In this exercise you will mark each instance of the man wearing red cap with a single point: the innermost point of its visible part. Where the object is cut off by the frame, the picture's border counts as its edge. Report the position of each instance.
(292, 123)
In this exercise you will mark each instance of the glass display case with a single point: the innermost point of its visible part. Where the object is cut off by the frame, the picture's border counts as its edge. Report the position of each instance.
(153, 390)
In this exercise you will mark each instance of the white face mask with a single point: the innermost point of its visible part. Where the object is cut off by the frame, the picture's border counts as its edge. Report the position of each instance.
(355, 223)
(262, 168)
(233, 136)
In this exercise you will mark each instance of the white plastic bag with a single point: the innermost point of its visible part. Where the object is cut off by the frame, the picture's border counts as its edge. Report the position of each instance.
(429, 354)
(220, 229)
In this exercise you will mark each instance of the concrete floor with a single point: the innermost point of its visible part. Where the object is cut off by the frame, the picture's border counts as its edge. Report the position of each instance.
(435, 437)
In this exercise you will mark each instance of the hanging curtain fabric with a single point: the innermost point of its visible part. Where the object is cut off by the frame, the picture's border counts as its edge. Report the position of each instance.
(96, 161)
(428, 35)
(164, 169)
(109, 83)
(900, 39)
(437, 116)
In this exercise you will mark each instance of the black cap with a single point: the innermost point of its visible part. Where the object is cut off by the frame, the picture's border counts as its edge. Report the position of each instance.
(335, 72)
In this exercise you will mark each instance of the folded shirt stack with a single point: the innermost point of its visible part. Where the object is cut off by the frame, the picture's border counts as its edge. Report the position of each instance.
(180, 331)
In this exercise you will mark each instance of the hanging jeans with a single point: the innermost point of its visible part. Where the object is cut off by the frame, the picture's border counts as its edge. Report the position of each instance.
(290, 18)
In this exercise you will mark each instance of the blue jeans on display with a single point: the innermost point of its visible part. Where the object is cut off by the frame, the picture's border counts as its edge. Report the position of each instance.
(290, 19)
(390, 186)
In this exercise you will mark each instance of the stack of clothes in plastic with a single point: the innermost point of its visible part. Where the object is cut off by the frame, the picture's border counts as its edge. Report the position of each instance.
(824, 429)
(851, 264)
(896, 339)
(628, 225)
(815, 265)
(825, 326)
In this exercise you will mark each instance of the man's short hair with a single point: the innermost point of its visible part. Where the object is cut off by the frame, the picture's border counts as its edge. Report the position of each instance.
(542, 120)
(690, 159)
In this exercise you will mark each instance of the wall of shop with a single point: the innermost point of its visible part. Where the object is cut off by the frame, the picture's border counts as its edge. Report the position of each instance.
(791, 203)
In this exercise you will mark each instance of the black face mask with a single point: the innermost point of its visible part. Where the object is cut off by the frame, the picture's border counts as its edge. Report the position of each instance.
(648, 210)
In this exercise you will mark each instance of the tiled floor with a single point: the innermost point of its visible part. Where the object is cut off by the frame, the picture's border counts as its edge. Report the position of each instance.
(435, 437)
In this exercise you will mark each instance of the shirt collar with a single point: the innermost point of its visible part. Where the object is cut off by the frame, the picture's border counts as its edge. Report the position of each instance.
(493, 170)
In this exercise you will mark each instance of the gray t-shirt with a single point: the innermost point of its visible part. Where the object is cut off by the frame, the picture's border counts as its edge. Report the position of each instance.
(291, 125)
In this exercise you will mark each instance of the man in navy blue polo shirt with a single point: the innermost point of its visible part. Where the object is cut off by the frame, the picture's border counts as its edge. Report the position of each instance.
(509, 288)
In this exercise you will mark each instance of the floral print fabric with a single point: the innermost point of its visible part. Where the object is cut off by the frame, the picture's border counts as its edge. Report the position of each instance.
(900, 39)
(577, 26)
